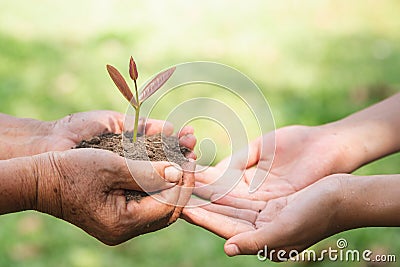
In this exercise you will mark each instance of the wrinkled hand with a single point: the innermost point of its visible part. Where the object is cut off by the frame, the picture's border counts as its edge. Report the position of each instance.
(292, 222)
(302, 156)
(92, 182)
(86, 188)
(70, 130)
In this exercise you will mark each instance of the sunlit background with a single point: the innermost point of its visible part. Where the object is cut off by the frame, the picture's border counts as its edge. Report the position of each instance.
(315, 61)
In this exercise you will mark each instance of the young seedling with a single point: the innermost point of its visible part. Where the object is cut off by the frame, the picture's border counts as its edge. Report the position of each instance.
(137, 100)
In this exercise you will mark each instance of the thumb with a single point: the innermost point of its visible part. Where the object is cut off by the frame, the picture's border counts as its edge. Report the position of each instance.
(186, 189)
(251, 242)
(151, 176)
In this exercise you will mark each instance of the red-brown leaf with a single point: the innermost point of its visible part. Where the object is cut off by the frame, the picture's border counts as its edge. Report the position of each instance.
(120, 82)
(133, 69)
(156, 84)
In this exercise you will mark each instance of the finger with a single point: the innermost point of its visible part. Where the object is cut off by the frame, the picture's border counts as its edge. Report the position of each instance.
(223, 187)
(228, 178)
(186, 188)
(207, 175)
(188, 141)
(158, 126)
(244, 216)
(155, 206)
(85, 125)
(187, 183)
(151, 176)
(206, 191)
(185, 131)
(213, 222)
(262, 148)
(154, 211)
(249, 243)
(249, 216)
(239, 203)
(244, 158)
(191, 155)
(197, 202)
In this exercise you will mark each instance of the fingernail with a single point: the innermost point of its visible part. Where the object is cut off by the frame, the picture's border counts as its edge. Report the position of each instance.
(173, 173)
(231, 250)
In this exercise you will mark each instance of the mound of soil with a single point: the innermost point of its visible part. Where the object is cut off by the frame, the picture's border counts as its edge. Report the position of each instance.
(153, 147)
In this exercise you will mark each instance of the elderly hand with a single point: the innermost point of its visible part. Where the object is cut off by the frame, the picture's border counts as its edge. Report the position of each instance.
(86, 188)
(25, 137)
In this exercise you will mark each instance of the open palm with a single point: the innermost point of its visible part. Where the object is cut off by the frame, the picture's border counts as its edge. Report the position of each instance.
(302, 156)
(287, 223)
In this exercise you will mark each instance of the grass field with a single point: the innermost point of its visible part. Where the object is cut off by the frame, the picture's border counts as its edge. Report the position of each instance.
(315, 62)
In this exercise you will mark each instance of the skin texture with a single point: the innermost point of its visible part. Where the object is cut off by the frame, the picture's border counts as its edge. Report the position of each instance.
(86, 186)
(333, 204)
(302, 154)
(26, 137)
(301, 157)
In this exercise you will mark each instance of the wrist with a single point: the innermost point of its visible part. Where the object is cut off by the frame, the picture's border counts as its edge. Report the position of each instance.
(347, 142)
(21, 137)
(48, 188)
(332, 145)
(369, 201)
(334, 188)
(19, 185)
(367, 135)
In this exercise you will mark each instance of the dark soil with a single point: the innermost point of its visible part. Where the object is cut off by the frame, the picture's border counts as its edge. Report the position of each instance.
(153, 147)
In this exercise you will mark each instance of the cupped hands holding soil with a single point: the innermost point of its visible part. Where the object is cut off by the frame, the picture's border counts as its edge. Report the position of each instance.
(158, 147)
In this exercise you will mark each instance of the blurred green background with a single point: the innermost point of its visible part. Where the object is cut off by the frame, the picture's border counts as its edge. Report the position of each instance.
(315, 61)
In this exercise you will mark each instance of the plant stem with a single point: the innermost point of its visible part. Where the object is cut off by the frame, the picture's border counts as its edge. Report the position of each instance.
(136, 125)
(137, 112)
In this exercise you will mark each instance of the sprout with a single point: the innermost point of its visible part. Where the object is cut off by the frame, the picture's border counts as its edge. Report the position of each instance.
(137, 100)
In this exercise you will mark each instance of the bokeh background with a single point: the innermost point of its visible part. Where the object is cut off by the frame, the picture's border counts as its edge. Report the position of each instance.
(315, 61)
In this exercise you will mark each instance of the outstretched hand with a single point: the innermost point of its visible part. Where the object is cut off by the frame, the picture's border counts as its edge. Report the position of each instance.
(287, 223)
(280, 228)
(296, 164)
(301, 156)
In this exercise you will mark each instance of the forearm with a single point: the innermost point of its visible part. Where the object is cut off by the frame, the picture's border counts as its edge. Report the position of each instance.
(367, 135)
(369, 201)
(22, 137)
(18, 184)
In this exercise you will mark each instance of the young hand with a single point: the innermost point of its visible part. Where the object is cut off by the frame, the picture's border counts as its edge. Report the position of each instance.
(302, 156)
(333, 204)
(291, 158)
